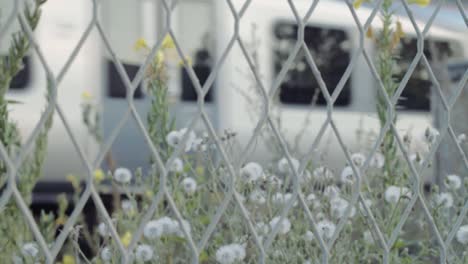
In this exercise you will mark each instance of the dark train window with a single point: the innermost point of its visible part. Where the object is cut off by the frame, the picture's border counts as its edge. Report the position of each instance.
(330, 49)
(116, 86)
(417, 93)
(202, 68)
(23, 77)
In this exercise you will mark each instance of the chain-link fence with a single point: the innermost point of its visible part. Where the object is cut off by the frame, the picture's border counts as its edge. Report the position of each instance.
(299, 59)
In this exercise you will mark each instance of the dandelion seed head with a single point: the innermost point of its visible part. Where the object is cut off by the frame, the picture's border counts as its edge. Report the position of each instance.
(190, 185)
(144, 253)
(453, 182)
(444, 200)
(251, 172)
(30, 249)
(284, 227)
(284, 168)
(122, 175)
(462, 235)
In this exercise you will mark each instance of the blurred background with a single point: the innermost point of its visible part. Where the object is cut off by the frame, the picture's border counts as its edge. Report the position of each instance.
(72, 44)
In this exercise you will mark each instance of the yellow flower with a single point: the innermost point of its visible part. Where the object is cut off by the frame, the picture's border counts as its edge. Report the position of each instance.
(67, 259)
(86, 95)
(140, 44)
(422, 3)
(149, 194)
(99, 175)
(398, 34)
(159, 57)
(73, 180)
(399, 30)
(358, 3)
(126, 238)
(168, 42)
(61, 221)
(200, 170)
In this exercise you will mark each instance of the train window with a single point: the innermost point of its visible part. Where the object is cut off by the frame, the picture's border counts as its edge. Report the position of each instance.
(116, 86)
(330, 49)
(202, 68)
(416, 94)
(23, 77)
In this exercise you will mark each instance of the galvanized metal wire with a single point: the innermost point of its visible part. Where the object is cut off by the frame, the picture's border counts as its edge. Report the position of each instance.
(267, 96)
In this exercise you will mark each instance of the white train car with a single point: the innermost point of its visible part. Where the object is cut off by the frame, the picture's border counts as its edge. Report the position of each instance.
(203, 29)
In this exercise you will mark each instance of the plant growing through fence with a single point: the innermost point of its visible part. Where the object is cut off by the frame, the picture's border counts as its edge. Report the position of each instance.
(15, 233)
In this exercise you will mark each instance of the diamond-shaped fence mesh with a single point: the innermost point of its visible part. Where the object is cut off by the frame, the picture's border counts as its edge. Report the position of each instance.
(295, 141)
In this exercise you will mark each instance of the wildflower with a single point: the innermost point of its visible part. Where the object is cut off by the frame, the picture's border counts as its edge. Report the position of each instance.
(284, 227)
(431, 134)
(347, 175)
(312, 200)
(229, 254)
(338, 207)
(190, 185)
(462, 235)
(358, 159)
(103, 230)
(394, 193)
(30, 249)
(140, 44)
(174, 138)
(284, 168)
(331, 191)
(239, 251)
(159, 58)
(398, 34)
(377, 161)
(176, 166)
(257, 197)
(149, 194)
(67, 259)
(199, 145)
(323, 174)
(106, 254)
(127, 207)
(161, 227)
(75, 182)
(99, 175)
(453, 182)
(251, 172)
(86, 96)
(444, 199)
(311, 197)
(126, 238)
(122, 175)
(309, 236)
(326, 229)
(168, 42)
(144, 253)
(422, 3)
(357, 4)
